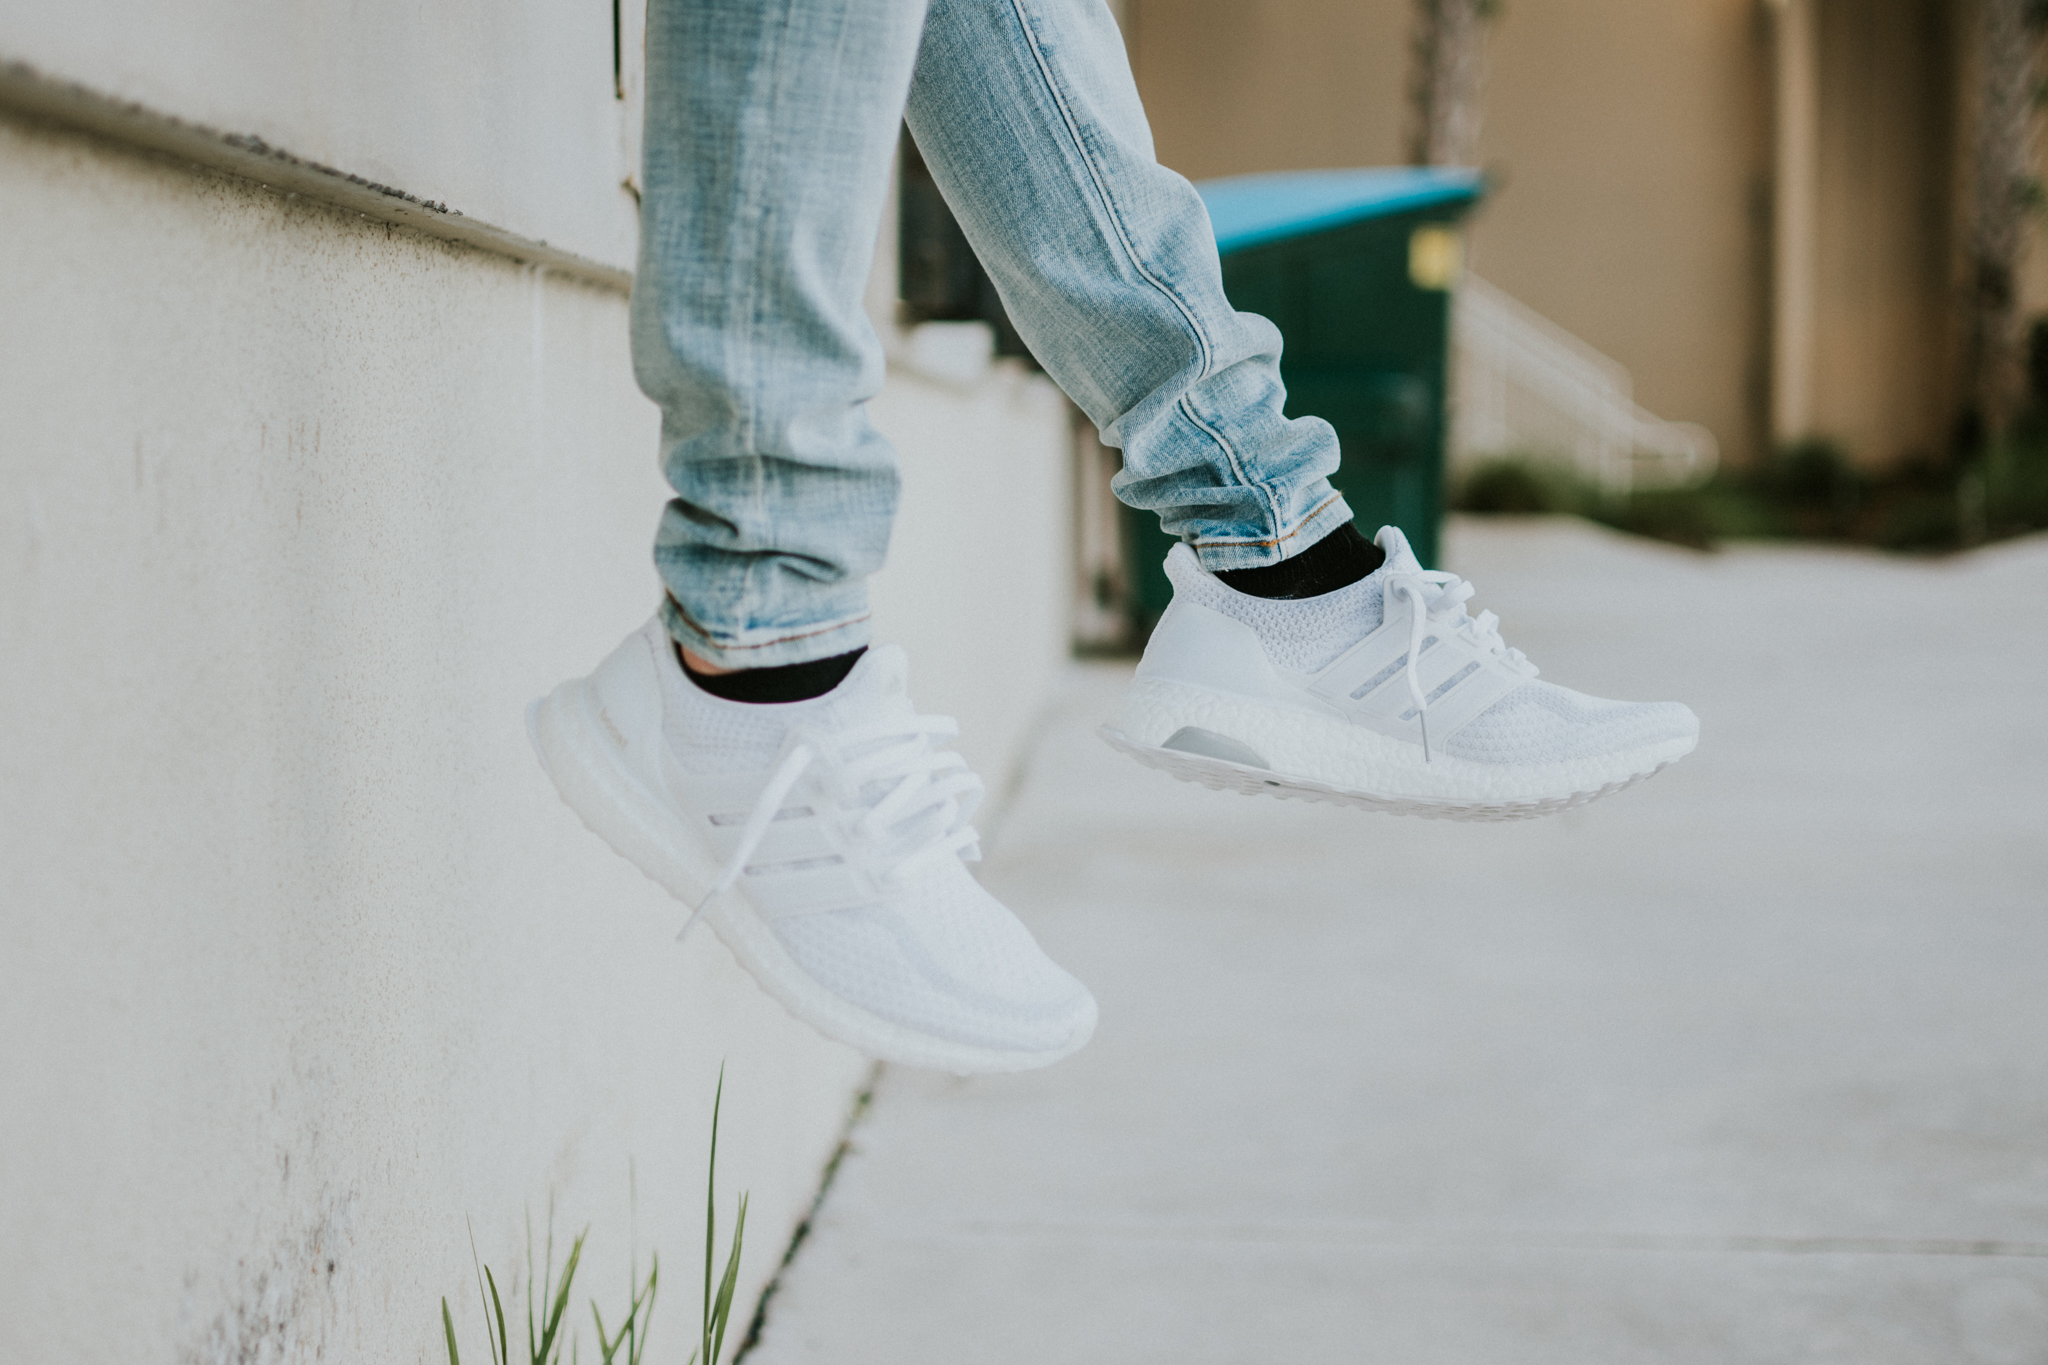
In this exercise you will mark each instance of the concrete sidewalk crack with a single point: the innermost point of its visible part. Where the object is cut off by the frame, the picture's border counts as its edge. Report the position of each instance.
(861, 1102)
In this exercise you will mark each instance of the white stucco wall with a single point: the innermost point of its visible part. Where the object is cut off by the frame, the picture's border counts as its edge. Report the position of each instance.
(303, 963)
(504, 110)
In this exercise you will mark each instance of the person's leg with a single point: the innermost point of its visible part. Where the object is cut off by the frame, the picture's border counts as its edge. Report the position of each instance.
(1379, 690)
(770, 129)
(811, 818)
(1027, 114)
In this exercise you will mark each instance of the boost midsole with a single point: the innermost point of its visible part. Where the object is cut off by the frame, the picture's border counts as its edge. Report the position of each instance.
(1301, 743)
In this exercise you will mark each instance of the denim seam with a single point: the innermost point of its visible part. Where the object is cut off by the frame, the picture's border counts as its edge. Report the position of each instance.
(1312, 514)
(1102, 190)
(758, 211)
(711, 636)
(1187, 406)
(1116, 219)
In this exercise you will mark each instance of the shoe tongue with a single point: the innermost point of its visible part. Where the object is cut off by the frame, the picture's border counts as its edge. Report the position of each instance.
(1400, 558)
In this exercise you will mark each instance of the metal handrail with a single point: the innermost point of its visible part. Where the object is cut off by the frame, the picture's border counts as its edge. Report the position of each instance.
(1525, 386)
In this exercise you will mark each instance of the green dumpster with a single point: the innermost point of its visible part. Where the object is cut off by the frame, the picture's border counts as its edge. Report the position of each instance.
(1355, 267)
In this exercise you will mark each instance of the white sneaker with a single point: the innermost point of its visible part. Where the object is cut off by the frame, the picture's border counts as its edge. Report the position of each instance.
(1384, 694)
(823, 841)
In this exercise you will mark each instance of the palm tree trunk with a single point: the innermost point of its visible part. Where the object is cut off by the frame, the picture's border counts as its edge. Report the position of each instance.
(1445, 80)
(2006, 193)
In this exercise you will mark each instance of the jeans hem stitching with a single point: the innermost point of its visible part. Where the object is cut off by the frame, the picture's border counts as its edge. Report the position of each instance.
(712, 639)
(1299, 527)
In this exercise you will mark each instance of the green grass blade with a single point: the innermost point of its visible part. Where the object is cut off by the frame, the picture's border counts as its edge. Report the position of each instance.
(504, 1346)
(643, 1320)
(547, 1279)
(448, 1326)
(530, 1325)
(711, 1217)
(499, 1346)
(549, 1351)
(722, 1313)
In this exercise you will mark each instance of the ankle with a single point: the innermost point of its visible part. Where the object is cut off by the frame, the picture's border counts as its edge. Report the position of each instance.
(697, 666)
(769, 686)
(1338, 560)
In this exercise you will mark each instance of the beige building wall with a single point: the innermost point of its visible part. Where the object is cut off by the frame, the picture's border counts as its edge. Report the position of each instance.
(1633, 140)
(1885, 305)
(1233, 86)
(1632, 143)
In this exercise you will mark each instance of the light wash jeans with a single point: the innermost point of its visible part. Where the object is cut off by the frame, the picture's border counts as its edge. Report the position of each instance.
(771, 128)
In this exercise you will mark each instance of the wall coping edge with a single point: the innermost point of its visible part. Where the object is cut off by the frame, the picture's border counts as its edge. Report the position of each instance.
(29, 93)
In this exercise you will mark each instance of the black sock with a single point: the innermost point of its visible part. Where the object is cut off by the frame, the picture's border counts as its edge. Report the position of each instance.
(787, 682)
(1336, 561)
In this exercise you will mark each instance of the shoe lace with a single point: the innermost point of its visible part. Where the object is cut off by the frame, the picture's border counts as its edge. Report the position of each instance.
(916, 800)
(1437, 597)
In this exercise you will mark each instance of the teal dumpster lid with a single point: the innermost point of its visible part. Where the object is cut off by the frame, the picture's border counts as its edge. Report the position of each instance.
(1250, 210)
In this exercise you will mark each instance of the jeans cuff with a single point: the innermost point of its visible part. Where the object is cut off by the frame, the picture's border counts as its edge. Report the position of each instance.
(769, 648)
(1325, 517)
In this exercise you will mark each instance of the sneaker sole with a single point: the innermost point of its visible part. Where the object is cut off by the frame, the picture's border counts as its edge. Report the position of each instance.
(615, 805)
(1222, 775)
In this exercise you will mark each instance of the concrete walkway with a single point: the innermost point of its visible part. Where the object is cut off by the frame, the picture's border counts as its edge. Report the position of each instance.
(1749, 1064)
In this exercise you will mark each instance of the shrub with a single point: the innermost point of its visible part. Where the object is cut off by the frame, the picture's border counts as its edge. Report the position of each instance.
(1809, 490)
(1511, 485)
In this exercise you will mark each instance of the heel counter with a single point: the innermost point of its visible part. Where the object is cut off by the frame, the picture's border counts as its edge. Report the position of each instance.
(1201, 646)
(625, 692)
